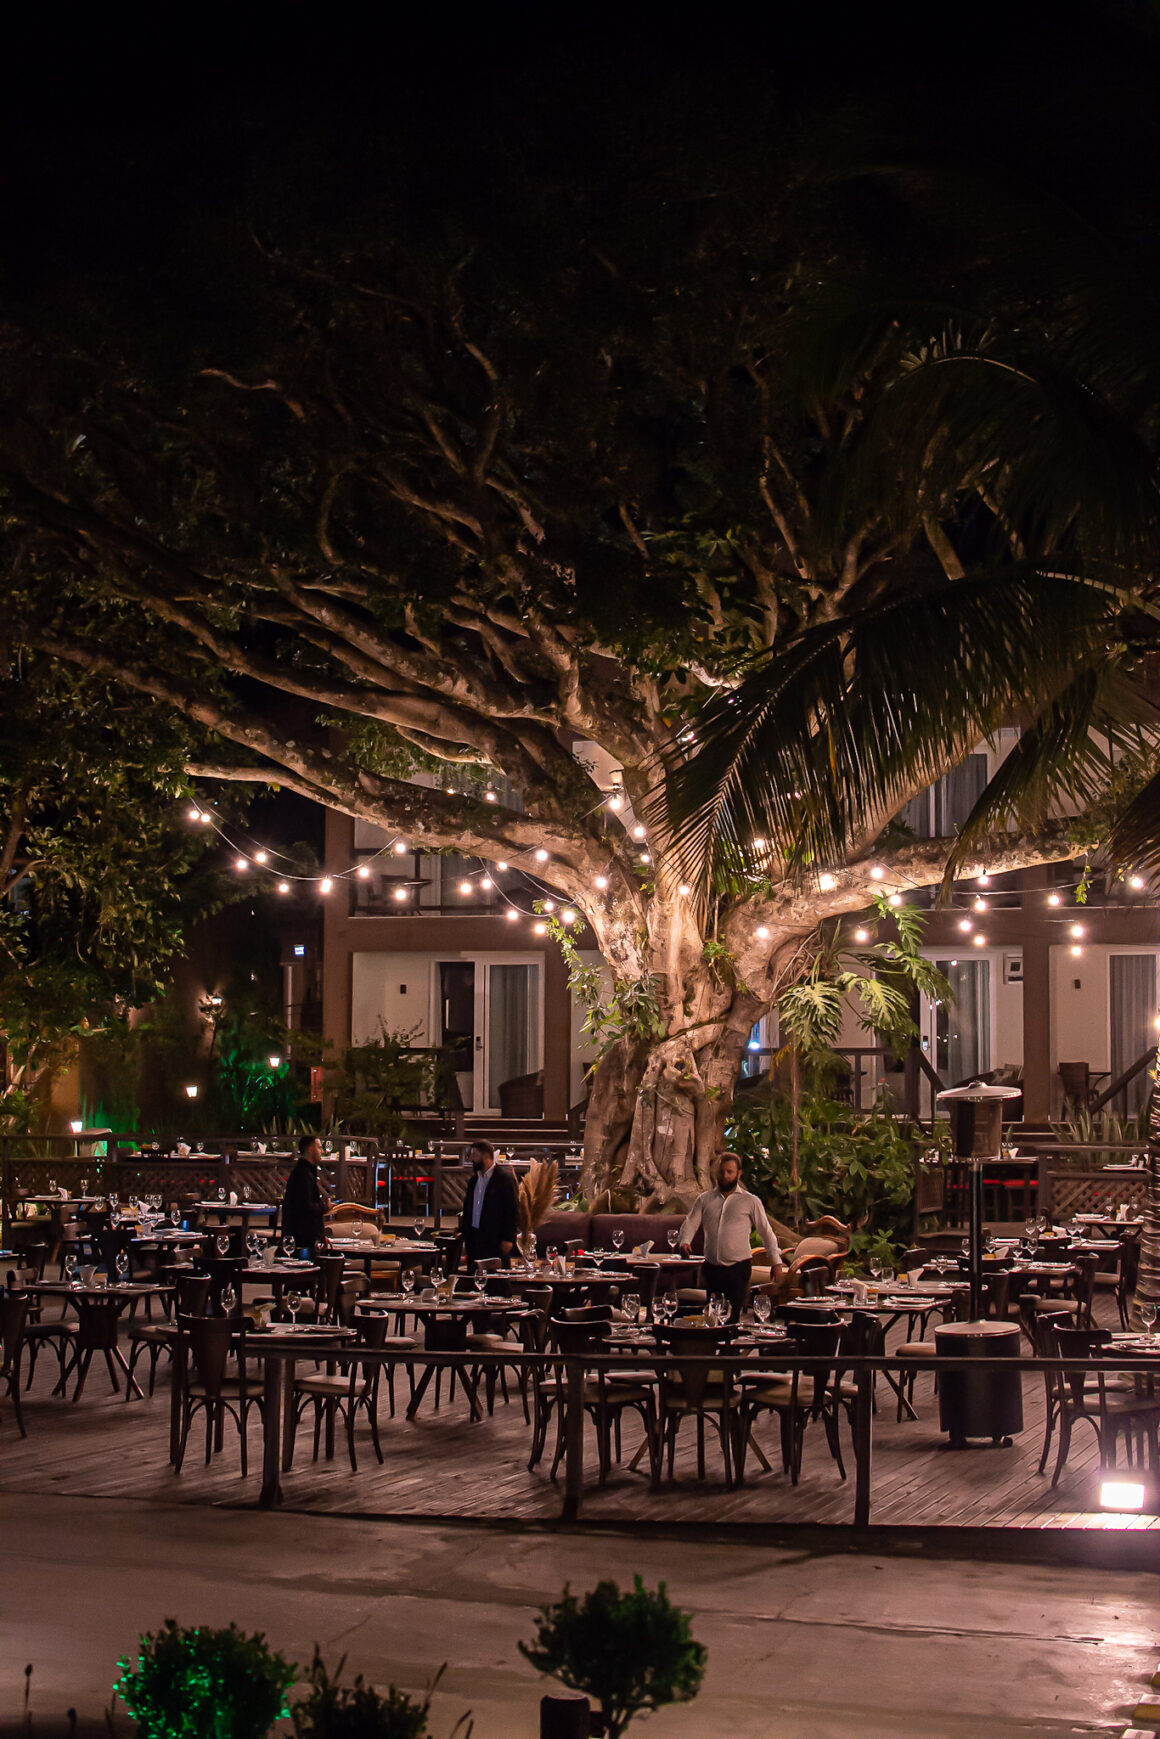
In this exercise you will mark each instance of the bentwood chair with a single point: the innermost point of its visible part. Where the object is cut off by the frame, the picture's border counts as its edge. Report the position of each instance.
(605, 1401)
(191, 1298)
(204, 1344)
(13, 1319)
(1129, 1270)
(690, 1388)
(344, 1393)
(797, 1399)
(1111, 1413)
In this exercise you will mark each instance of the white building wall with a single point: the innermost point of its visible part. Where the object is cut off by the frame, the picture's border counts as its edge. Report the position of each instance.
(391, 990)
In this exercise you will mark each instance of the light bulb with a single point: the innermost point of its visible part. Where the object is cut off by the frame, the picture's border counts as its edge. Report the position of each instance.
(1076, 930)
(980, 904)
(511, 915)
(283, 887)
(645, 858)
(449, 790)
(1076, 950)
(191, 1092)
(983, 881)
(684, 890)
(1136, 882)
(195, 815)
(965, 926)
(615, 800)
(261, 857)
(894, 900)
(363, 873)
(541, 856)
(501, 866)
(401, 893)
(465, 887)
(876, 872)
(827, 883)
(601, 881)
(400, 848)
(759, 845)
(861, 935)
(205, 818)
(979, 939)
(539, 929)
(241, 863)
(1055, 899)
(762, 932)
(549, 905)
(568, 916)
(486, 882)
(275, 1062)
(489, 795)
(638, 831)
(325, 885)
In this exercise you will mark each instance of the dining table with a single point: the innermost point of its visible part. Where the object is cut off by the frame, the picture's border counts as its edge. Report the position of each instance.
(98, 1310)
(413, 1250)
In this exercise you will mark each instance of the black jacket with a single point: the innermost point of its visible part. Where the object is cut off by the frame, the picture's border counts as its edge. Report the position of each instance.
(500, 1219)
(304, 1206)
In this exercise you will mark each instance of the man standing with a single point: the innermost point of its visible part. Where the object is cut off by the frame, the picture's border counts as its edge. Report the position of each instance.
(727, 1216)
(305, 1202)
(491, 1212)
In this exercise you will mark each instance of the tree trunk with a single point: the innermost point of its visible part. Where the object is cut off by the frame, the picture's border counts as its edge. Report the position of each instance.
(657, 1112)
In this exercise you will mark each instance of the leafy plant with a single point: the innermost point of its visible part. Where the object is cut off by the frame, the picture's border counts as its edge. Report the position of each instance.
(629, 1009)
(358, 1711)
(632, 1652)
(198, 1683)
(1087, 1128)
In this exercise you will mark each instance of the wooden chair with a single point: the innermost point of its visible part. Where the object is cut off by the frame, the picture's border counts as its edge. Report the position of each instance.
(57, 1334)
(13, 1320)
(1075, 1300)
(345, 1393)
(1126, 1277)
(1077, 1087)
(799, 1398)
(204, 1344)
(698, 1391)
(1110, 1413)
(605, 1402)
(191, 1298)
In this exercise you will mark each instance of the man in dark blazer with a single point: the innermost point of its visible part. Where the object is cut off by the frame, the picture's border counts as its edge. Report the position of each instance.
(305, 1202)
(491, 1215)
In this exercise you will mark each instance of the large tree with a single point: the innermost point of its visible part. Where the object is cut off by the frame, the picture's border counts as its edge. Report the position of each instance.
(516, 471)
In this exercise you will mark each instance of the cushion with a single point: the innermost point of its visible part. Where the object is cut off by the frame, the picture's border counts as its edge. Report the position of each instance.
(817, 1247)
(916, 1349)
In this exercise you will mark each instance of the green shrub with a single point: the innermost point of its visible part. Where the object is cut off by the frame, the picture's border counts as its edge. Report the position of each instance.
(631, 1652)
(205, 1684)
(334, 1711)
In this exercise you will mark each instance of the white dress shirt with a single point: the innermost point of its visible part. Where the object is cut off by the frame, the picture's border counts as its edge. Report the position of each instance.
(727, 1220)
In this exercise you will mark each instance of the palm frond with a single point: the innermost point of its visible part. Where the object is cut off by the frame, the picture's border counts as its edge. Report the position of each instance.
(537, 1192)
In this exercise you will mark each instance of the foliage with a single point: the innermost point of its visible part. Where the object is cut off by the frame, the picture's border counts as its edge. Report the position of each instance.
(631, 1009)
(358, 1711)
(632, 1652)
(858, 1166)
(1088, 1128)
(198, 1683)
(374, 1082)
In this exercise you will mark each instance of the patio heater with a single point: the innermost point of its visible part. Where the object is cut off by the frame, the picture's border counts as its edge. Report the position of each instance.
(976, 1114)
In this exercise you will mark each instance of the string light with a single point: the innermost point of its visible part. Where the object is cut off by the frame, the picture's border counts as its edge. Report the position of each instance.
(979, 939)
(980, 904)
(1076, 931)
(638, 831)
(325, 885)
(501, 866)
(876, 872)
(195, 814)
(283, 887)
(1136, 882)
(401, 894)
(861, 935)
(261, 857)
(684, 890)
(965, 926)
(1055, 899)
(568, 916)
(615, 800)
(512, 915)
(1076, 950)
(541, 856)
(489, 796)
(601, 881)
(763, 932)
(984, 881)
(894, 900)
(400, 848)
(241, 863)
(645, 858)
(759, 845)
(549, 905)
(363, 873)
(827, 883)
(539, 929)
(465, 887)
(486, 882)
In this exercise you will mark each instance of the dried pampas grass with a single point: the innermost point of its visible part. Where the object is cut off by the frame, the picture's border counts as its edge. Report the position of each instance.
(537, 1192)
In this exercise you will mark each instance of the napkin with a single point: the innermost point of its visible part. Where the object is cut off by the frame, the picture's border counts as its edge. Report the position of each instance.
(62, 1193)
(642, 1249)
(233, 1198)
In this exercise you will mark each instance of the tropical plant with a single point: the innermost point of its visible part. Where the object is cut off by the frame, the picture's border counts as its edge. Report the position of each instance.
(200, 1683)
(331, 1710)
(632, 1652)
(537, 1192)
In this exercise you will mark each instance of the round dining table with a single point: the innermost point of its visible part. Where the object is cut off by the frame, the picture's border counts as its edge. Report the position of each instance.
(98, 1309)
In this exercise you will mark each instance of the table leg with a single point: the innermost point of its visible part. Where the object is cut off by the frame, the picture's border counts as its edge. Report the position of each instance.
(573, 1441)
(424, 1383)
(272, 1391)
(287, 1368)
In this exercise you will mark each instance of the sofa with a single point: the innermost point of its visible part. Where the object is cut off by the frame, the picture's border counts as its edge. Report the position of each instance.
(595, 1231)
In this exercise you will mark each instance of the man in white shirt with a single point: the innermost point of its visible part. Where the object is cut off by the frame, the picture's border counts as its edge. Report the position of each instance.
(727, 1215)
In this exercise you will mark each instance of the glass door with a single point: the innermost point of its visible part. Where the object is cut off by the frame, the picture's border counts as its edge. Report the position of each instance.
(959, 1031)
(512, 1025)
(457, 1023)
(1132, 1022)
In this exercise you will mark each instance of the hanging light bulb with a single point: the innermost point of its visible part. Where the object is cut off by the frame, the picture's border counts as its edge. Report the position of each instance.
(261, 857)
(965, 926)
(759, 845)
(549, 905)
(984, 881)
(861, 935)
(489, 796)
(363, 872)
(283, 887)
(762, 932)
(1055, 899)
(684, 890)
(541, 856)
(194, 815)
(205, 818)
(1136, 882)
(401, 894)
(1076, 950)
(539, 929)
(465, 887)
(827, 883)
(1076, 931)
(511, 915)
(980, 904)
(645, 858)
(486, 882)
(876, 872)
(501, 866)
(894, 900)
(615, 800)
(241, 863)
(600, 881)
(325, 885)
(979, 939)
(401, 848)
(638, 831)
(568, 916)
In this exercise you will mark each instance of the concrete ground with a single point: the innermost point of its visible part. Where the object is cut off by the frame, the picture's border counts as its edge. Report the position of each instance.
(800, 1644)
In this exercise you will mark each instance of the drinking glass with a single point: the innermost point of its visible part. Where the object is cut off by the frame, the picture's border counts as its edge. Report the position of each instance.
(52, 1186)
(418, 1225)
(229, 1300)
(84, 1186)
(437, 1277)
(875, 1266)
(122, 1265)
(552, 1253)
(70, 1269)
(762, 1306)
(598, 1259)
(480, 1279)
(408, 1281)
(247, 1193)
(221, 1192)
(673, 1236)
(618, 1239)
(631, 1306)
(293, 1305)
(222, 1243)
(1148, 1318)
(287, 1248)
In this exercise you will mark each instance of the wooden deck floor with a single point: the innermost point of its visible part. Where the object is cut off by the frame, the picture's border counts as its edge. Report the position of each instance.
(442, 1465)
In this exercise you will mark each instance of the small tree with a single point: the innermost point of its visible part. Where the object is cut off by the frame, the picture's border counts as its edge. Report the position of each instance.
(205, 1684)
(632, 1652)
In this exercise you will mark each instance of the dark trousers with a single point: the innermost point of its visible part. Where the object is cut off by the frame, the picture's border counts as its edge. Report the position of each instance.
(730, 1278)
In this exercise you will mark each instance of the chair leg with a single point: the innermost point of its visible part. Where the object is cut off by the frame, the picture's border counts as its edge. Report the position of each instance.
(14, 1392)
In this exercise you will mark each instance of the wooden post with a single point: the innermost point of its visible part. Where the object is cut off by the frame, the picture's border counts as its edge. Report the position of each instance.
(910, 1081)
(573, 1439)
(271, 1493)
(565, 1718)
(437, 1187)
(863, 1430)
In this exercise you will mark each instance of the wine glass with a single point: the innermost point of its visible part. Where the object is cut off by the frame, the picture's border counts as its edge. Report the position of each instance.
(122, 1265)
(418, 1225)
(875, 1266)
(408, 1282)
(1148, 1318)
(598, 1259)
(630, 1304)
(222, 1243)
(552, 1253)
(293, 1305)
(84, 1186)
(70, 1269)
(247, 1193)
(618, 1239)
(673, 1236)
(437, 1277)
(221, 1192)
(52, 1186)
(480, 1279)
(287, 1248)
(762, 1306)
(229, 1300)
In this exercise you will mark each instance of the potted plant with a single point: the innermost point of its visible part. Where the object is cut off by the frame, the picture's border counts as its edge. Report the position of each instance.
(198, 1683)
(630, 1652)
(334, 1711)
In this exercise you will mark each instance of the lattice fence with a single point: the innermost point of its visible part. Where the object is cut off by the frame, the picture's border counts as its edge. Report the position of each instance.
(1096, 1192)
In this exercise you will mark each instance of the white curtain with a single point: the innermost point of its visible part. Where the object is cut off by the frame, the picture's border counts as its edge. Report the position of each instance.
(1132, 986)
(512, 1004)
